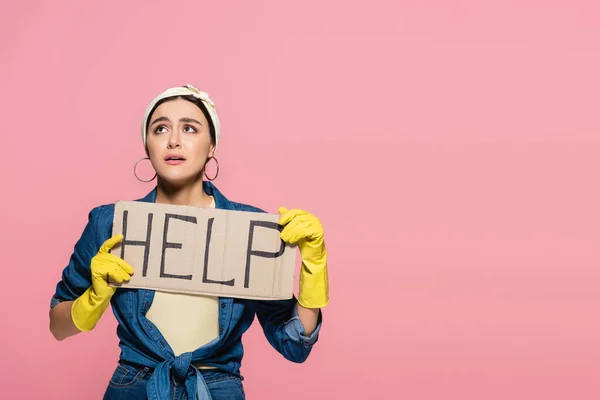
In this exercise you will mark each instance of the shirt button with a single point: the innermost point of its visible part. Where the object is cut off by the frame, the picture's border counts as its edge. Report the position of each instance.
(223, 305)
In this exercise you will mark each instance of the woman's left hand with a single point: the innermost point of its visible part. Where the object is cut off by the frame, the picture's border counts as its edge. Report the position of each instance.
(305, 229)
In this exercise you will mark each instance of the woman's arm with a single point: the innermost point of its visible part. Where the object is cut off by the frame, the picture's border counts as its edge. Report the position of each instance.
(61, 323)
(83, 294)
(292, 326)
(280, 320)
(75, 280)
(309, 318)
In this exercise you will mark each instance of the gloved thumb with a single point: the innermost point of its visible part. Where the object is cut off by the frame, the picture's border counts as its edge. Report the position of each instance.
(110, 243)
(285, 215)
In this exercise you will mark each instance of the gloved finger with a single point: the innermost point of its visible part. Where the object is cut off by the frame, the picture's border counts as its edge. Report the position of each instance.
(312, 231)
(298, 219)
(294, 222)
(114, 276)
(126, 276)
(126, 267)
(314, 223)
(295, 233)
(282, 210)
(114, 259)
(288, 215)
(119, 275)
(110, 243)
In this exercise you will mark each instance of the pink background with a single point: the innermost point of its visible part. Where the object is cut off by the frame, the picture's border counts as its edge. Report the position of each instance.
(451, 150)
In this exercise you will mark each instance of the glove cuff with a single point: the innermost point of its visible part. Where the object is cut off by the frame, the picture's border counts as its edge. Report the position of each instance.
(313, 302)
(85, 312)
(314, 288)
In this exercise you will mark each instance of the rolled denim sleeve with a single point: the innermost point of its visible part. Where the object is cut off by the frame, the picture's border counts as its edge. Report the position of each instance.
(76, 276)
(284, 330)
(295, 329)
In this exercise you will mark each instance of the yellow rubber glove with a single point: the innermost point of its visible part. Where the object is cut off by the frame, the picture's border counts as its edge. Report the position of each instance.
(305, 229)
(89, 307)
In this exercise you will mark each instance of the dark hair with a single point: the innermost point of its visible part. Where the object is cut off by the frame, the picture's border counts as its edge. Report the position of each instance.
(191, 99)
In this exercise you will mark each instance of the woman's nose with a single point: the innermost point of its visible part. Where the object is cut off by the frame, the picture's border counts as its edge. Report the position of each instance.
(174, 141)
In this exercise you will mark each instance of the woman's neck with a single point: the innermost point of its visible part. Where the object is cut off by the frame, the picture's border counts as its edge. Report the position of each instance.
(185, 195)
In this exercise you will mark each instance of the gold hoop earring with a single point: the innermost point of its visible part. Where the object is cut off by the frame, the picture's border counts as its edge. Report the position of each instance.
(217, 174)
(135, 171)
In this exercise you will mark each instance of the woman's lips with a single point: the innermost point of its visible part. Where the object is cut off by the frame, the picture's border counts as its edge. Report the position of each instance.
(172, 161)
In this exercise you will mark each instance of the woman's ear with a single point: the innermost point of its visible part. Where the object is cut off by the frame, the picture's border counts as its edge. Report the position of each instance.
(211, 151)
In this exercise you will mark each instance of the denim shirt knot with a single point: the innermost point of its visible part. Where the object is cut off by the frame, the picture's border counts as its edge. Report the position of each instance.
(159, 385)
(181, 364)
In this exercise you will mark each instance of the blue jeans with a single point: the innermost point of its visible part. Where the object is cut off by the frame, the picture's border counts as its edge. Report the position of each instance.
(129, 382)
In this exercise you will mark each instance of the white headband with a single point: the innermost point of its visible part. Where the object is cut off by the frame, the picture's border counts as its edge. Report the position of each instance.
(187, 90)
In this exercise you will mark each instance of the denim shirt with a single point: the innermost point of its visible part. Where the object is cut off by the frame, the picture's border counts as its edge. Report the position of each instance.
(142, 343)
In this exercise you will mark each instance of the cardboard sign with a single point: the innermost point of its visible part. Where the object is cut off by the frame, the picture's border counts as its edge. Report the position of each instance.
(186, 249)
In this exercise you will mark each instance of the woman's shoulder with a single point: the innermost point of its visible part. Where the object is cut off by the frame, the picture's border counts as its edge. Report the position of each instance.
(102, 211)
(101, 217)
(106, 211)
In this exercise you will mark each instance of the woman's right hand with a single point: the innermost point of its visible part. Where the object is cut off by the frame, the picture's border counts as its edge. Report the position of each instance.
(89, 307)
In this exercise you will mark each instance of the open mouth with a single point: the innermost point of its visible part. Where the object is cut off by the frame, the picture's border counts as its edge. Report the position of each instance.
(174, 159)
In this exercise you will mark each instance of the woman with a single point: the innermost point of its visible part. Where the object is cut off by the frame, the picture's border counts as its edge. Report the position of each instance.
(174, 345)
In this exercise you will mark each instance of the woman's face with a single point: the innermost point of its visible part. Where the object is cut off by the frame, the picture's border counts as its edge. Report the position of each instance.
(178, 141)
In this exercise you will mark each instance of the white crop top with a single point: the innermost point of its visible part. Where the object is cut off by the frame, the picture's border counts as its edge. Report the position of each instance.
(186, 321)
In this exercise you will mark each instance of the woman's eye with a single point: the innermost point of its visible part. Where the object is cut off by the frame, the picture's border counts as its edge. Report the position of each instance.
(189, 129)
(160, 129)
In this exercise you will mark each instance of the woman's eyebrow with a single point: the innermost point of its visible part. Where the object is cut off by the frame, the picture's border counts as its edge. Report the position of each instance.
(188, 120)
(160, 119)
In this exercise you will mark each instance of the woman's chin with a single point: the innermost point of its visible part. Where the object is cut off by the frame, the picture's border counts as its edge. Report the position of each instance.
(179, 179)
